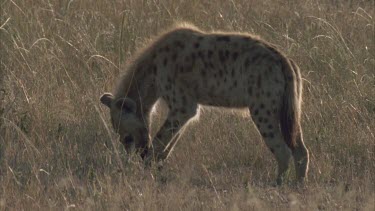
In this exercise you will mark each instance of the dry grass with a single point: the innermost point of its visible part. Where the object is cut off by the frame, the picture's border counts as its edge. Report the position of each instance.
(56, 151)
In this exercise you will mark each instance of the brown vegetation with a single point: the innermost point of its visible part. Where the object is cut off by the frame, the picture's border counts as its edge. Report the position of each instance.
(57, 149)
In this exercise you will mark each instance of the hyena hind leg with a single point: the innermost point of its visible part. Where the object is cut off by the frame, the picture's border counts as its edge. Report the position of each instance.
(301, 159)
(268, 127)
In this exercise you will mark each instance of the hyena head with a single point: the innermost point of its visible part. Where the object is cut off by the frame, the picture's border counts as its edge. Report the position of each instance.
(125, 121)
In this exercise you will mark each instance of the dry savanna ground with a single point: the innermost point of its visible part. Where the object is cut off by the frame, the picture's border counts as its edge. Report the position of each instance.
(57, 148)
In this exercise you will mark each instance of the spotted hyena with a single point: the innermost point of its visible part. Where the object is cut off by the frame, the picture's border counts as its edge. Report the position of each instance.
(185, 67)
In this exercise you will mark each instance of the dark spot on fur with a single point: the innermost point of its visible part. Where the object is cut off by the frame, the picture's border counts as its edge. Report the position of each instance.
(223, 38)
(235, 83)
(195, 87)
(232, 73)
(234, 56)
(227, 53)
(256, 112)
(196, 45)
(270, 126)
(271, 135)
(268, 112)
(247, 62)
(193, 56)
(203, 72)
(201, 54)
(221, 73)
(250, 91)
(165, 62)
(154, 69)
(167, 124)
(255, 58)
(159, 135)
(210, 53)
(222, 56)
(270, 70)
(246, 38)
(172, 113)
(179, 44)
(169, 86)
(261, 106)
(259, 81)
(272, 150)
(279, 93)
(176, 67)
(260, 119)
(183, 110)
(183, 99)
(174, 57)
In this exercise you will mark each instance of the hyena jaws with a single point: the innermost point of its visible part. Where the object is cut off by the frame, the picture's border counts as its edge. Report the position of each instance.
(185, 67)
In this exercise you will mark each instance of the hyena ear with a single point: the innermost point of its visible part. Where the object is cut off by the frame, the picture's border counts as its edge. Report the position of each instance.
(126, 105)
(106, 99)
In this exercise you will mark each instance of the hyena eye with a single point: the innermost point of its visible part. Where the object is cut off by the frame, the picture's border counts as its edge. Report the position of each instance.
(128, 139)
(126, 105)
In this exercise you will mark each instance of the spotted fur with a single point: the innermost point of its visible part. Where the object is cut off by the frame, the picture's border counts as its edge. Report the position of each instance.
(186, 67)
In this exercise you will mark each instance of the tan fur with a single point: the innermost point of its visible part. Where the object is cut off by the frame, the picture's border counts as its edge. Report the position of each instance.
(185, 67)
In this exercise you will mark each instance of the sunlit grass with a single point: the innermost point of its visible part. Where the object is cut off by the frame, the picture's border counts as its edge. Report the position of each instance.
(57, 148)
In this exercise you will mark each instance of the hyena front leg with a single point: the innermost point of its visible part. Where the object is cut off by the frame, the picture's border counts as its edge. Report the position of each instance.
(168, 134)
(268, 126)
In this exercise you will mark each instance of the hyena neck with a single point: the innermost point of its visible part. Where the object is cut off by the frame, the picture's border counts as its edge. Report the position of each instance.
(143, 95)
(138, 84)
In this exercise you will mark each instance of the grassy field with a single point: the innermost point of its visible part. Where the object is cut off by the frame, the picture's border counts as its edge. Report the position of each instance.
(58, 150)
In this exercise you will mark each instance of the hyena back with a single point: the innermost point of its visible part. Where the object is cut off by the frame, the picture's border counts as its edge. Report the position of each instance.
(186, 67)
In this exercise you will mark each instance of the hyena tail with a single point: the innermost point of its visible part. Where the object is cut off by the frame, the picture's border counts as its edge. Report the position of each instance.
(290, 113)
